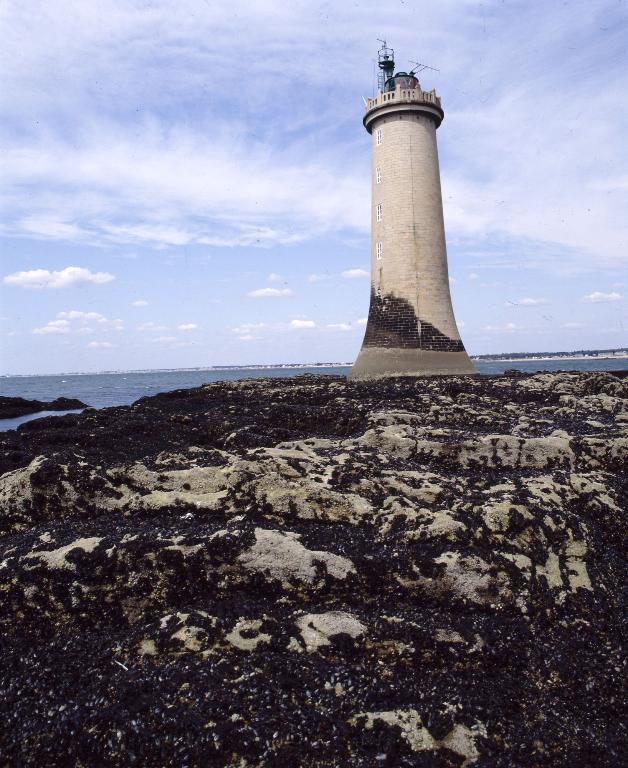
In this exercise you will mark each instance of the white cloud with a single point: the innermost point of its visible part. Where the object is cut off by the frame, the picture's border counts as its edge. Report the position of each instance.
(314, 278)
(302, 324)
(188, 327)
(166, 339)
(65, 278)
(76, 321)
(150, 326)
(100, 345)
(246, 328)
(279, 196)
(153, 234)
(77, 315)
(139, 303)
(53, 326)
(352, 274)
(507, 328)
(100, 180)
(573, 325)
(598, 297)
(527, 302)
(452, 280)
(48, 227)
(362, 321)
(275, 278)
(339, 326)
(473, 276)
(270, 293)
(247, 337)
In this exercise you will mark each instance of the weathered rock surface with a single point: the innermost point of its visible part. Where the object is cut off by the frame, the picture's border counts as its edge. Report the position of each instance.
(10, 407)
(307, 572)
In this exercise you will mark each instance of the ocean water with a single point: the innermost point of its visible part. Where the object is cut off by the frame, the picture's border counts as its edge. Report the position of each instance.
(15, 422)
(122, 388)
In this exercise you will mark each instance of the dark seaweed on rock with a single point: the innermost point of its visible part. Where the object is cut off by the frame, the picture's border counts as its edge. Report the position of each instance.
(11, 407)
(310, 572)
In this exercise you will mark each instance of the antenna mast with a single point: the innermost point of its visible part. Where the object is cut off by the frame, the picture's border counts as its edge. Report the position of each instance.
(386, 64)
(418, 67)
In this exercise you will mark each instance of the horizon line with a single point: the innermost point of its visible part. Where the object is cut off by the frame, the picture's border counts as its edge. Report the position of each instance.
(487, 357)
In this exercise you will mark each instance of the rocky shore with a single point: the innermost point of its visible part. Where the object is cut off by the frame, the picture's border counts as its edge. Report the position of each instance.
(11, 407)
(308, 572)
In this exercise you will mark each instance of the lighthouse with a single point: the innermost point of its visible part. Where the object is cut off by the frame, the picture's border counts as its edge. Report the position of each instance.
(411, 328)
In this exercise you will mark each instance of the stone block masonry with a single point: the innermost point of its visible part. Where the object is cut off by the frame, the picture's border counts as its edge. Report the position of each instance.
(393, 324)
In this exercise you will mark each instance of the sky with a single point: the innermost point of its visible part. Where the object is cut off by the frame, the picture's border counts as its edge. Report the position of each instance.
(188, 184)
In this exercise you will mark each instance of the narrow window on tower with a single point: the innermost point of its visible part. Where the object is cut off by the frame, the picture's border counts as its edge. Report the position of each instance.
(378, 212)
(378, 175)
(378, 136)
(379, 251)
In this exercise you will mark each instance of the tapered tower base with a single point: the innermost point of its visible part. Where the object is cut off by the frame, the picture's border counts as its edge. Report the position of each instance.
(380, 362)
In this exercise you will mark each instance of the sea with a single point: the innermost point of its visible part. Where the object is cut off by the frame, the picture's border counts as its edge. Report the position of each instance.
(101, 390)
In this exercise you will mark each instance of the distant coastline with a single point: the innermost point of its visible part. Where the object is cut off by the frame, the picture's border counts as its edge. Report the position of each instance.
(582, 354)
(116, 371)
(620, 353)
(524, 357)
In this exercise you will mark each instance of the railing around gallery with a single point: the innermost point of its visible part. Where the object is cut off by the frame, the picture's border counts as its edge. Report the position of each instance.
(403, 95)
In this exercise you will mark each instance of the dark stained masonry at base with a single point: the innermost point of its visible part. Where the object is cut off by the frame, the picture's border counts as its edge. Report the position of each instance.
(392, 323)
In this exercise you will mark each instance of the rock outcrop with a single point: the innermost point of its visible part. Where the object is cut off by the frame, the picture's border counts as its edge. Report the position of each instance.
(11, 407)
(310, 572)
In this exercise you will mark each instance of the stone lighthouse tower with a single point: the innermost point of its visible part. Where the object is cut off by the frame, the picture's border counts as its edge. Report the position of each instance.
(411, 329)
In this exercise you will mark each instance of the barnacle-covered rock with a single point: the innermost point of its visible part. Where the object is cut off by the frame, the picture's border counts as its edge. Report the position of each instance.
(311, 572)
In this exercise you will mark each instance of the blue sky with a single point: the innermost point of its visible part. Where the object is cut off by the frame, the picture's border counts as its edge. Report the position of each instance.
(187, 183)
